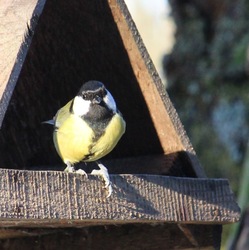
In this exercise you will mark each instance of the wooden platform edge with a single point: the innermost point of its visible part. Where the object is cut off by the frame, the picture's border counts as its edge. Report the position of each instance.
(58, 199)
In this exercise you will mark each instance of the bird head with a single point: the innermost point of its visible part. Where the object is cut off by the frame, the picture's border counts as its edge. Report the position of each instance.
(92, 96)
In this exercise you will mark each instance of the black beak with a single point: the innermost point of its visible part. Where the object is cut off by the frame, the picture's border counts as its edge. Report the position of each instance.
(97, 100)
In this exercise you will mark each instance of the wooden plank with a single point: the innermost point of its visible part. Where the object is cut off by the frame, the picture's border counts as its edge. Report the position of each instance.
(40, 198)
(17, 23)
(170, 131)
(170, 165)
(192, 233)
(7, 233)
(146, 83)
(125, 237)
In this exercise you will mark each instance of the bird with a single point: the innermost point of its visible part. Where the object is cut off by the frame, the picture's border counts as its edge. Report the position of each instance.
(88, 128)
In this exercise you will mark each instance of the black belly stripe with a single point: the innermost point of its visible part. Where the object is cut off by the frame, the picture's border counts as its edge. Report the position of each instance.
(87, 157)
(98, 119)
(99, 131)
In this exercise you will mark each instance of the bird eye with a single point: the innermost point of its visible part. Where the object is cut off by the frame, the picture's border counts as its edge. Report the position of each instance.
(84, 96)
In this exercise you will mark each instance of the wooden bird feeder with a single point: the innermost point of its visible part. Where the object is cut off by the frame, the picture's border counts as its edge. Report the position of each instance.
(162, 198)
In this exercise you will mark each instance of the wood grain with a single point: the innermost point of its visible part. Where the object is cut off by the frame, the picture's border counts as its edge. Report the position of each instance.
(151, 95)
(40, 198)
(17, 20)
(170, 131)
(115, 237)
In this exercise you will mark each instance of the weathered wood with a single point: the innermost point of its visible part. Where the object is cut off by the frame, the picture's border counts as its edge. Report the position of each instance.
(163, 114)
(39, 198)
(146, 76)
(115, 237)
(17, 20)
(7, 233)
(149, 164)
(192, 233)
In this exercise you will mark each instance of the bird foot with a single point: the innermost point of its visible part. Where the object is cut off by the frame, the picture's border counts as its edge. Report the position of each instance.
(103, 172)
(70, 169)
(82, 172)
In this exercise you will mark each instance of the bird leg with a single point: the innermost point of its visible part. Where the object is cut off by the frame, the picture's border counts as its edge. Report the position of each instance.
(70, 169)
(103, 172)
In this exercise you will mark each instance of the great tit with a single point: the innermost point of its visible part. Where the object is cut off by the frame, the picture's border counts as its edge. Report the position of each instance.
(87, 128)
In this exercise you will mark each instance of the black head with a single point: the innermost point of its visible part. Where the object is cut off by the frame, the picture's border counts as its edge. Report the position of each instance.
(93, 97)
(95, 104)
(90, 89)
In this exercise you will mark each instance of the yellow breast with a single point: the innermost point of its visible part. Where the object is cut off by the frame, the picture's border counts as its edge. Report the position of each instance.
(109, 139)
(74, 139)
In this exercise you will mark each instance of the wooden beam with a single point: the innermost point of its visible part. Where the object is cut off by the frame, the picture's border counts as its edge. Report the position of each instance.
(171, 165)
(159, 115)
(17, 22)
(170, 130)
(125, 237)
(47, 198)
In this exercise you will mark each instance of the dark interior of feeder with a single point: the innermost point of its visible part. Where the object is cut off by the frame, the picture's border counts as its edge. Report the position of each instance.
(70, 47)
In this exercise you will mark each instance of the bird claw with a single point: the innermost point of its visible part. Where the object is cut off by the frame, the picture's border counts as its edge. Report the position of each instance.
(109, 188)
(82, 172)
(70, 169)
(103, 172)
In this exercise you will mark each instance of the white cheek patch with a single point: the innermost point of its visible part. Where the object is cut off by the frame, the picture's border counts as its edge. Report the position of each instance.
(109, 100)
(80, 106)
